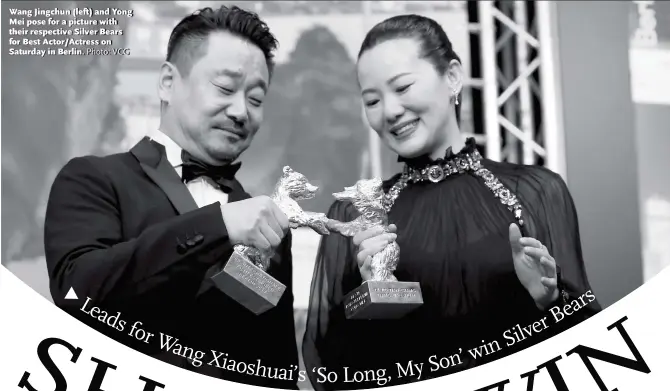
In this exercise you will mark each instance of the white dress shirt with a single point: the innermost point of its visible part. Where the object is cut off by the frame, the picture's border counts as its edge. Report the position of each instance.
(203, 190)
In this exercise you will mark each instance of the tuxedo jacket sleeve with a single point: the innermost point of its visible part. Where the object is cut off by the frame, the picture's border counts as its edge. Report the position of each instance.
(85, 246)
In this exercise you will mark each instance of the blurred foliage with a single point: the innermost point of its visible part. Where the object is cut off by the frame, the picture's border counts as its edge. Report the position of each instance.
(312, 121)
(54, 108)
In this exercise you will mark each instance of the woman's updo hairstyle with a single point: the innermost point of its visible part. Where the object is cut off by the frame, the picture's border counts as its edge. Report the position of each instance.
(435, 46)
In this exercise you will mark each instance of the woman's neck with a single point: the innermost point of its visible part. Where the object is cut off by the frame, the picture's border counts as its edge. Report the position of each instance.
(452, 138)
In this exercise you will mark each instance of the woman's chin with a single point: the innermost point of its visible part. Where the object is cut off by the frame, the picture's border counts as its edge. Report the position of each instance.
(408, 149)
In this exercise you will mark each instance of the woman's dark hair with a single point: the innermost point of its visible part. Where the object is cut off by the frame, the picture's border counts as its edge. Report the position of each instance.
(435, 46)
(187, 39)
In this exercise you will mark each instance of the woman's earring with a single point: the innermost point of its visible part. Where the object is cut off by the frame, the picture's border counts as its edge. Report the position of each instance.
(455, 97)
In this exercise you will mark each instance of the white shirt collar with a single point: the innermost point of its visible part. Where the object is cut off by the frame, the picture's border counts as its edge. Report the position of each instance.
(172, 149)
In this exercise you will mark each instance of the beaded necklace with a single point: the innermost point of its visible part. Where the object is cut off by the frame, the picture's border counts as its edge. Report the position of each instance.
(439, 170)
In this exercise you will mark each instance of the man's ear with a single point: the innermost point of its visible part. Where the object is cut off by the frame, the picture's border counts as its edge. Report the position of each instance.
(166, 79)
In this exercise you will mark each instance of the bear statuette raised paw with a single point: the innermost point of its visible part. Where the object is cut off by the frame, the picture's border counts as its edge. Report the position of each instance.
(367, 197)
(291, 188)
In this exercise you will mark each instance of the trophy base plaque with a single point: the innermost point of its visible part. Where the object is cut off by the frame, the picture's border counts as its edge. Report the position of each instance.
(383, 300)
(248, 285)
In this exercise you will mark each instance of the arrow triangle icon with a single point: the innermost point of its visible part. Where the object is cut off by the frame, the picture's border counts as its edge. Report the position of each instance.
(71, 295)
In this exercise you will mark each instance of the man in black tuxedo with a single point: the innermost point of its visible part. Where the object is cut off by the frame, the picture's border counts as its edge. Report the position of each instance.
(141, 232)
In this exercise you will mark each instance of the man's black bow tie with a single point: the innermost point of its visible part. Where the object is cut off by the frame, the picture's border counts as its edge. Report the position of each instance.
(193, 168)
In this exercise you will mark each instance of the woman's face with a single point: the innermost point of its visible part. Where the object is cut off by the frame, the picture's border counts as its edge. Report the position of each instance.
(407, 102)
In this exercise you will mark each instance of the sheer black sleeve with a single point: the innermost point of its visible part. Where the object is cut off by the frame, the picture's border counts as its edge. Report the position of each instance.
(554, 222)
(335, 274)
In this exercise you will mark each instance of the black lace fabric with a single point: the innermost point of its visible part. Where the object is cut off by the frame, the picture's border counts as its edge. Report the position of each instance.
(453, 238)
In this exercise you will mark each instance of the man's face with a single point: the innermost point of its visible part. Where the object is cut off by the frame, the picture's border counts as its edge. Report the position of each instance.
(219, 104)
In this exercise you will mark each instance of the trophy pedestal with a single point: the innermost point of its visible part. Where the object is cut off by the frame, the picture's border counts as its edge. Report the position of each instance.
(248, 285)
(383, 300)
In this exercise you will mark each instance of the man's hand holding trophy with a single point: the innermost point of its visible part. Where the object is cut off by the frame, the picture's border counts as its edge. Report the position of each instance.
(245, 277)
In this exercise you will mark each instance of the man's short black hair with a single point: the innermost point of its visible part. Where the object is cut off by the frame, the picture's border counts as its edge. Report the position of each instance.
(188, 38)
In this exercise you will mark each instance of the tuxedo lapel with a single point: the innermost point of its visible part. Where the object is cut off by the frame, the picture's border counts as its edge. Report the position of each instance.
(153, 160)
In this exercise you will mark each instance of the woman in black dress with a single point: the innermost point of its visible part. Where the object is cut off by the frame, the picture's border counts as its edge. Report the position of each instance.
(460, 220)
